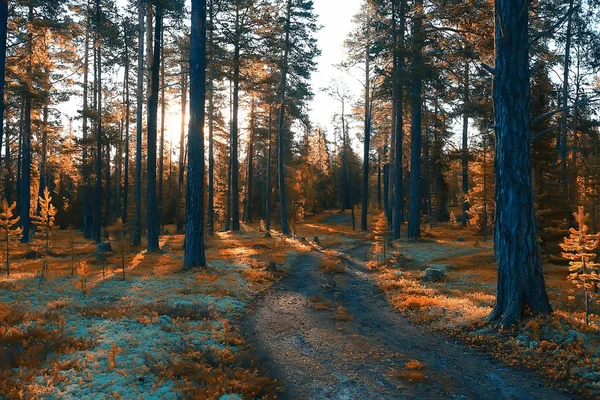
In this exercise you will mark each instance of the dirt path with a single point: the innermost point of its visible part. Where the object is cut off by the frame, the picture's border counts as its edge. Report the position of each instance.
(315, 354)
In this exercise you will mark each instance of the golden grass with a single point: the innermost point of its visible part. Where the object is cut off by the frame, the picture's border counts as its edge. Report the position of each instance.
(332, 264)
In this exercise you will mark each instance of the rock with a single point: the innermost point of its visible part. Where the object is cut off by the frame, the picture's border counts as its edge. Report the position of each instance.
(104, 247)
(460, 239)
(484, 331)
(440, 267)
(316, 240)
(267, 234)
(433, 275)
(272, 267)
(523, 338)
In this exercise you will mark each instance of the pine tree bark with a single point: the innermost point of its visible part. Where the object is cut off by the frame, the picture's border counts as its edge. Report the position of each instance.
(161, 150)
(285, 229)
(235, 166)
(152, 203)
(520, 278)
(97, 205)
(414, 212)
(367, 132)
(398, 104)
(3, 34)
(127, 122)
(137, 224)
(465, 144)
(269, 153)
(564, 117)
(194, 235)
(250, 170)
(211, 112)
(25, 181)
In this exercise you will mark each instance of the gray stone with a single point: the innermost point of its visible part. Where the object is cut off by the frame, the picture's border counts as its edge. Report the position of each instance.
(433, 275)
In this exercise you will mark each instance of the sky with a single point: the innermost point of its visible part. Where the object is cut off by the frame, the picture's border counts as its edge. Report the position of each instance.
(335, 17)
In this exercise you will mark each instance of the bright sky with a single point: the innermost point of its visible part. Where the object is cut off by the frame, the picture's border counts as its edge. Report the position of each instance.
(335, 16)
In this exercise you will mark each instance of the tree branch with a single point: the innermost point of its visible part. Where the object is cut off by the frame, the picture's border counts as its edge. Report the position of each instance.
(559, 110)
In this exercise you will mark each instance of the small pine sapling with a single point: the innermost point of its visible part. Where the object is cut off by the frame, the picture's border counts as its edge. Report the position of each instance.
(65, 208)
(44, 222)
(579, 248)
(9, 230)
(83, 272)
(453, 220)
(119, 232)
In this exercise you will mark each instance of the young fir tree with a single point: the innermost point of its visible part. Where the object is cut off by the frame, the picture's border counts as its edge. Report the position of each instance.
(579, 248)
(44, 222)
(8, 229)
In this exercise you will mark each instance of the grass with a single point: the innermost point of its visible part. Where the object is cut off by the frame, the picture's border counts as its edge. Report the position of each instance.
(331, 263)
(176, 330)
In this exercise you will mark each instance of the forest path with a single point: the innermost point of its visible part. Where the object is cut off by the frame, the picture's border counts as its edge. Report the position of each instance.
(357, 347)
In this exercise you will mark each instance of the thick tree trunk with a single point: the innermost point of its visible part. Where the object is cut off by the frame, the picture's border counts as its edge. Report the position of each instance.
(414, 213)
(465, 144)
(398, 104)
(137, 225)
(43, 153)
(25, 181)
(152, 204)
(521, 284)
(194, 235)
(285, 229)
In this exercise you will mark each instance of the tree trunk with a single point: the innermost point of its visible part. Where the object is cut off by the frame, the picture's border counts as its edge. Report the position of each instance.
(194, 235)
(465, 145)
(152, 204)
(346, 170)
(137, 225)
(161, 150)
(269, 153)
(182, 147)
(25, 192)
(127, 122)
(250, 172)
(98, 170)
(235, 166)
(285, 229)
(564, 118)
(414, 213)
(3, 34)
(211, 122)
(398, 104)
(366, 148)
(520, 278)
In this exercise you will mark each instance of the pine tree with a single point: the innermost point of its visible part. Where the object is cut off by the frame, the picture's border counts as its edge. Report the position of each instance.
(44, 222)
(8, 229)
(579, 248)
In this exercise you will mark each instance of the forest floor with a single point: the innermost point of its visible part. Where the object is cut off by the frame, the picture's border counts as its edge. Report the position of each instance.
(327, 331)
(331, 318)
